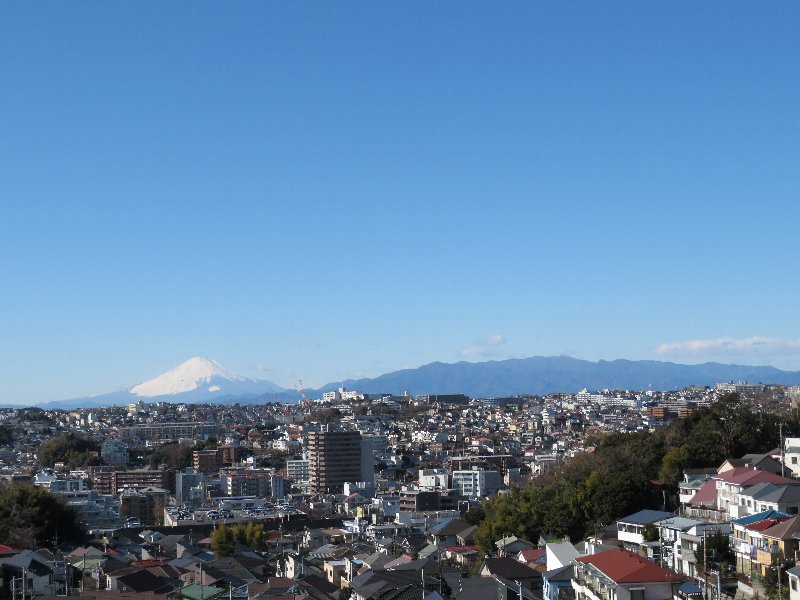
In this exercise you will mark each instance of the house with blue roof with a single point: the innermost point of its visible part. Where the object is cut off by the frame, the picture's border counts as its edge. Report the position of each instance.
(630, 529)
(746, 534)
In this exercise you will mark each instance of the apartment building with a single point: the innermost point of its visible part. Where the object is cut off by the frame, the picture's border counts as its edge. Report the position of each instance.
(335, 457)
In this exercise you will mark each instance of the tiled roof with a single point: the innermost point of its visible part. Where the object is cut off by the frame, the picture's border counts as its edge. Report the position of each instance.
(509, 568)
(765, 524)
(622, 566)
(706, 495)
(748, 476)
(533, 554)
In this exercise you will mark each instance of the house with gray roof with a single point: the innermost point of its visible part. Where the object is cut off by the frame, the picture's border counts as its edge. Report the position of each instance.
(36, 570)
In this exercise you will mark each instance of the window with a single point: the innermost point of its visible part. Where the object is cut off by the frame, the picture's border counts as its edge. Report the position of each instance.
(793, 581)
(637, 594)
(794, 462)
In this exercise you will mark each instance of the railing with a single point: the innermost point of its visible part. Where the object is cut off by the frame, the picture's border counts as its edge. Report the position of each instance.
(767, 557)
(593, 585)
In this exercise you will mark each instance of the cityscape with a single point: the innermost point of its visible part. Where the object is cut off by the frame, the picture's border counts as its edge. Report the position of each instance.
(381, 496)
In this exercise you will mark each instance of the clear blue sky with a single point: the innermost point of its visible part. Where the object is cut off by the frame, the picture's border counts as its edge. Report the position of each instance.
(329, 190)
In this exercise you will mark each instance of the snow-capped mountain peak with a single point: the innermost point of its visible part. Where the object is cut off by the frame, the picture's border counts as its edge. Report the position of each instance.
(186, 377)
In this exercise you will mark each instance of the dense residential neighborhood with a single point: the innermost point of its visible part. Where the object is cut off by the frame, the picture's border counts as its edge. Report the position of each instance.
(392, 497)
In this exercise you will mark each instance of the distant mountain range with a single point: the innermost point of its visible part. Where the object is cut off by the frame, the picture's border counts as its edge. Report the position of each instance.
(204, 380)
(540, 375)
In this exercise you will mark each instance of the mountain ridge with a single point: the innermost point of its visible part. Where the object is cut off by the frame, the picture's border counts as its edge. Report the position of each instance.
(540, 375)
(536, 375)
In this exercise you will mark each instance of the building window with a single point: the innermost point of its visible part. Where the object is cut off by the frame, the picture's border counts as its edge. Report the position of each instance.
(793, 581)
(794, 460)
(637, 594)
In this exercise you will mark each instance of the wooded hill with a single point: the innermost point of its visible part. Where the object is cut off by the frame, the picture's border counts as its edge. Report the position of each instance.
(628, 472)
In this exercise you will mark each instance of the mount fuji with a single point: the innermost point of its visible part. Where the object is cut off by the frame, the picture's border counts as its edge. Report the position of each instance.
(201, 376)
(196, 380)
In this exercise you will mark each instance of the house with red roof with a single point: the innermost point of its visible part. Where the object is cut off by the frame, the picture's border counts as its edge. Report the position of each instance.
(622, 575)
(731, 483)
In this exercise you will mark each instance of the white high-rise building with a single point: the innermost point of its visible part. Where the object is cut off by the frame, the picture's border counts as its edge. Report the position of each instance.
(477, 483)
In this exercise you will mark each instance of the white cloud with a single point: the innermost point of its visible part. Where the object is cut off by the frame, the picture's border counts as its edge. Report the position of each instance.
(485, 347)
(756, 346)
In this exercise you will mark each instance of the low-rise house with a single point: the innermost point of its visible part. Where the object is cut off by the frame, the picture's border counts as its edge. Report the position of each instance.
(195, 591)
(768, 462)
(507, 568)
(746, 537)
(373, 582)
(693, 480)
(622, 575)
(464, 556)
(560, 554)
(631, 529)
(731, 483)
(511, 545)
(679, 537)
(555, 580)
(794, 582)
(30, 571)
(778, 543)
(769, 496)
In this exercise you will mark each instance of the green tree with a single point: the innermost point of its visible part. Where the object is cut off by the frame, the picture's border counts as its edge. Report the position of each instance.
(6, 436)
(32, 516)
(475, 515)
(73, 450)
(673, 465)
(719, 550)
(345, 593)
(275, 460)
(250, 534)
(650, 533)
(223, 541)
(770, 581)
(174, 455)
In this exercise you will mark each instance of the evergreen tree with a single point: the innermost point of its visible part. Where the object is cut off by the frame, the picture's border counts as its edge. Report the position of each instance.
(30, 516)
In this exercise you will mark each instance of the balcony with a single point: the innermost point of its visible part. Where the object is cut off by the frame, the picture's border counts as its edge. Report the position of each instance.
(767, 557)
(591, 587)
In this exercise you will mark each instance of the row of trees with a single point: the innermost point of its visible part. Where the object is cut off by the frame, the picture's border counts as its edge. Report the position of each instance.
(225, 538)
(628, 472)
(78, 451)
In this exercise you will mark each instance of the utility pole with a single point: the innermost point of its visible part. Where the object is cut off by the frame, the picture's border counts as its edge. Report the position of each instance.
(705, 564)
